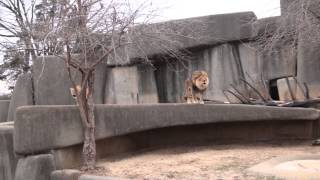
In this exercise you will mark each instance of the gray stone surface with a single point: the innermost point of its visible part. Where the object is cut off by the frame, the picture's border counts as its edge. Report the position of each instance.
(265, 26)
(65, 174)
(204, 31)
(131, 85)
(4, 108)
(122, 86)
(221, 62)
(22, 95)
(51, 82)
(283, 90)
(49, 127)
(148, 92)
(4, 97)
(252, 69)
(8, 160)
(38, 167)
(279, 63)
(308, 65)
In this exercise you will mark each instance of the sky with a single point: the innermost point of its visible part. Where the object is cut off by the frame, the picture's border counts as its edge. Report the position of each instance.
(178, 9)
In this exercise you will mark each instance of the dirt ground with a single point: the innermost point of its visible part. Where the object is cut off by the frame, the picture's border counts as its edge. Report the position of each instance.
(200, 162)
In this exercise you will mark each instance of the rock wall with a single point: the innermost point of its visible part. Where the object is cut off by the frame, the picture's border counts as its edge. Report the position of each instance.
(23, 95)
(4, 108)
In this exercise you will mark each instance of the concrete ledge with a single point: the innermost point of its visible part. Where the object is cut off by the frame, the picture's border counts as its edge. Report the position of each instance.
(8, 160)
(38, 167)
(41, 128)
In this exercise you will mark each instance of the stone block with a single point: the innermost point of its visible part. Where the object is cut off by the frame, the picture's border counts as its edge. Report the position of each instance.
(22, 95)
(148, 92)
(131, 85)
(65, 174)
(308, 65)
(51, 82)
(222, 63)
(122, 86)
(283, 89)
(282, 60)
(42, 128)
(8, 160)
(38, 167)
(68, 157)
(279, 63)
(4, 108)
(186, 34)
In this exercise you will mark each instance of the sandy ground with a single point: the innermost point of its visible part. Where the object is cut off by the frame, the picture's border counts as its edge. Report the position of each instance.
(201, 162)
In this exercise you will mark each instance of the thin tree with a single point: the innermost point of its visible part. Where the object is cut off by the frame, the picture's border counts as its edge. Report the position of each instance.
(23, 27)
(92, 32)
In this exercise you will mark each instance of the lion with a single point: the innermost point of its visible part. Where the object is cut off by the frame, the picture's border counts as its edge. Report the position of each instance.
(195, 87)
(73, 92)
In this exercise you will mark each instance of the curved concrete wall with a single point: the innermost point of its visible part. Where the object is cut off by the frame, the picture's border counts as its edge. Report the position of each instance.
(42, 128)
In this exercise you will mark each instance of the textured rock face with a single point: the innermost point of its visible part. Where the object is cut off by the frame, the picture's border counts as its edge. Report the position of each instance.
(37, 167)
(278, 64)
(308, 68)
(131, 85)
(189, 33)
(22, 95)
(8, 160)
(66, 174)
(221, 62)
(36, 128)
(51, 82)
(4, 108)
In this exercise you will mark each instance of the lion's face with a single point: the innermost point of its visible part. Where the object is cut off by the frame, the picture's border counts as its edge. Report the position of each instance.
(202, 82)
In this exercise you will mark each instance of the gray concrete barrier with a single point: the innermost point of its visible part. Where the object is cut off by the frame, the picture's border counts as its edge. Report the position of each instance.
(41, 128)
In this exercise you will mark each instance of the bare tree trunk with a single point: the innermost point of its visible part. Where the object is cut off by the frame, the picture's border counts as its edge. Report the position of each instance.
(87, 107)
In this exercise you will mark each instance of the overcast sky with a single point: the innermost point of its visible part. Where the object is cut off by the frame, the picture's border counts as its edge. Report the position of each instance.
(189, 8)
(177, 9)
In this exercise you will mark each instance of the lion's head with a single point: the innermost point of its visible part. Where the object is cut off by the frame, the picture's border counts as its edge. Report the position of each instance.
(200, 80)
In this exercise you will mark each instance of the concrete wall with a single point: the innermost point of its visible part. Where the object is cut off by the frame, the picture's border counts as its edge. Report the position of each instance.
(8, 159)
(41, 128)
(23, 94)
(4, 108)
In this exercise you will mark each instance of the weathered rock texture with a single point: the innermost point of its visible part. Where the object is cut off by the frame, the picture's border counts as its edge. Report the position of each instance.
(42, 128)
(131, 85)
(187, 33)
(66, 174)
(308, 68)
(51, 82)
(38, 167)
(4, 108)
(22, 95)
(8, 159)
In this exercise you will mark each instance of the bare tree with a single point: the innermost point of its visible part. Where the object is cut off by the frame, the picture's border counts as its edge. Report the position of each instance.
(23, 28)
(91, 32)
